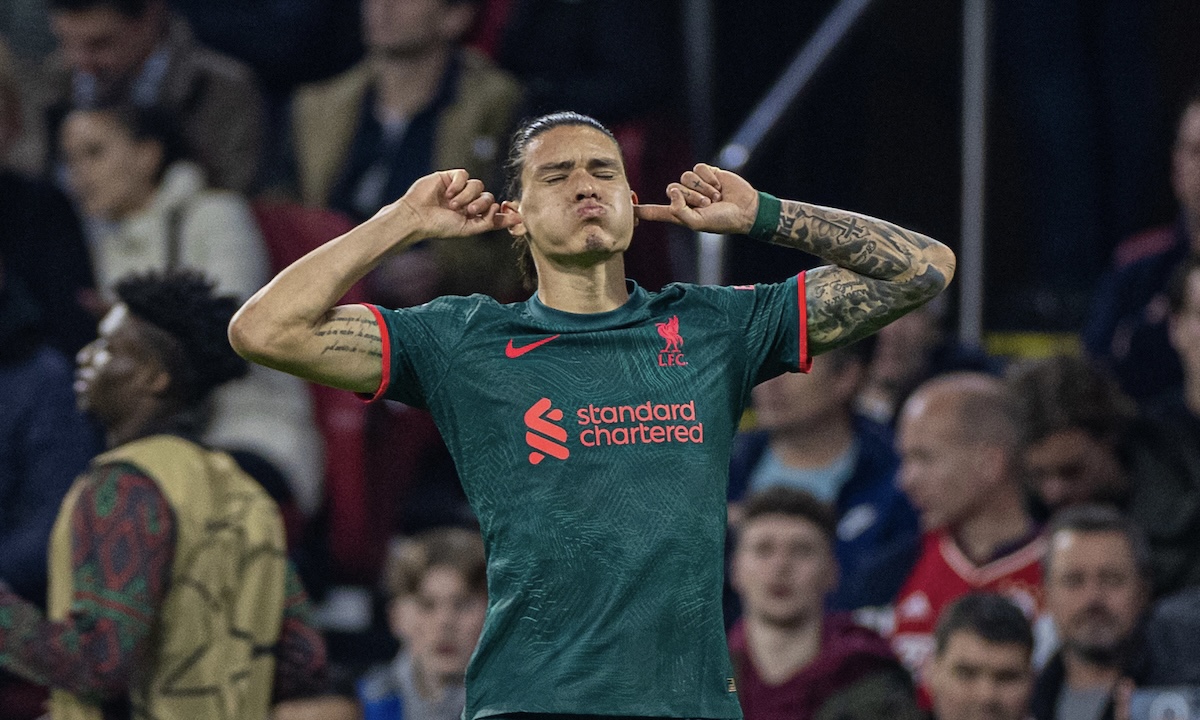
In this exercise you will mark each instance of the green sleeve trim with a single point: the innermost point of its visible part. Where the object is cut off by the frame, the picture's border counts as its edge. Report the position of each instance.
(767, 220)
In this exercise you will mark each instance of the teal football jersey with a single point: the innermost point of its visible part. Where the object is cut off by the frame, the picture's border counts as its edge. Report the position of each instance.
(595, 451)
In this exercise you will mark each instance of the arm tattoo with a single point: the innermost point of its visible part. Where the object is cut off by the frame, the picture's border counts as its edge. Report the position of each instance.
(880, 271)
(345, 334)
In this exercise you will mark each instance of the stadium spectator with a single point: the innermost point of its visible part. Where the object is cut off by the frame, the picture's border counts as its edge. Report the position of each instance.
(910, 351)
(1171, 631)
(961, 467)
(168, 572)
(436, 584)
(1126, 328)
(128, 168)
(791, 658)
(421, 100)
(137, 52)
(42, 241)
(982, 666)
(1097, 586)
(807, 436)
(44, 443)
(1086, 442)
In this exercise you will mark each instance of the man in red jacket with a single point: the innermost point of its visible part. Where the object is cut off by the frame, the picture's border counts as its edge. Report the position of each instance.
(791, 659)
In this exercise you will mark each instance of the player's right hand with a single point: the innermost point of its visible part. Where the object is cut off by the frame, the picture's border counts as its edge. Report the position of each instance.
(444, 204)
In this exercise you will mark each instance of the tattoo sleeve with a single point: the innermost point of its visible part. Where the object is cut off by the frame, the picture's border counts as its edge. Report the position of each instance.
(123, 539)
(880, 271)
(344, 333)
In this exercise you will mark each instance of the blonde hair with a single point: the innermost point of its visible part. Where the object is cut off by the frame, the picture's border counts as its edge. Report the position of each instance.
(409, 559)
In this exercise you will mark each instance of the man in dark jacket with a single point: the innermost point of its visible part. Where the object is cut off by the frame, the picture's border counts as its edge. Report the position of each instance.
(1097, 573)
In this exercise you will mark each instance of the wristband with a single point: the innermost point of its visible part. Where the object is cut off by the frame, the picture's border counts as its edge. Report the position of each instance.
(766, 222)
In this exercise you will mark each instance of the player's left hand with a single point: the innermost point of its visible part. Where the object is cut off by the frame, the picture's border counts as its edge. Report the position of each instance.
(706, 199)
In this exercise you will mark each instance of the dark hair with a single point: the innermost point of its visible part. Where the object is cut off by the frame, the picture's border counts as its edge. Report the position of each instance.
(147, 124)
(1177, 285)
(128, 8)
(1096, 518)
(782, 500)
(1065, 392)
(991, 616)
(194, 344)
(529, 129)
(456, 548)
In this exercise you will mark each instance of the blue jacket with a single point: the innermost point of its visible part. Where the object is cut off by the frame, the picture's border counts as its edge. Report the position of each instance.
(44, 444)
(879, 534)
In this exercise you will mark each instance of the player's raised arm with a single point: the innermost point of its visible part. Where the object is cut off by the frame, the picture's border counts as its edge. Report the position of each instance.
(292, 324)
(880, 270)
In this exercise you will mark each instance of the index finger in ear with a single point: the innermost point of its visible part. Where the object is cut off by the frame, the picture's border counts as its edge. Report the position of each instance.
(655, 213)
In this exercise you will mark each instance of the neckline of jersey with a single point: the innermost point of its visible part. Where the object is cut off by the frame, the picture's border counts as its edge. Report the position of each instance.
(560, 319)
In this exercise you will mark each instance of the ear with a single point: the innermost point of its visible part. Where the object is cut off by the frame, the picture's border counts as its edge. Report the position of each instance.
(634, 197)
(518, 228)
(158, 379)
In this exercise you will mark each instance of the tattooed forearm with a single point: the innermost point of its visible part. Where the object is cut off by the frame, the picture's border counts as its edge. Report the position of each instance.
(880, 270)
(866, 245)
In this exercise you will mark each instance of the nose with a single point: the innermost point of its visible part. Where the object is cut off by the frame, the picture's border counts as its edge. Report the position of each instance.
(85, 354)
(585, 187)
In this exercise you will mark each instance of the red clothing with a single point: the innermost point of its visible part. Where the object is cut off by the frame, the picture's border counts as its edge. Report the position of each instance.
(942, 574)
(849, 652)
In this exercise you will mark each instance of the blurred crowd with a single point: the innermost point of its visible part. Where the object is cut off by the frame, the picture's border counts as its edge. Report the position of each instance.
(915, 526)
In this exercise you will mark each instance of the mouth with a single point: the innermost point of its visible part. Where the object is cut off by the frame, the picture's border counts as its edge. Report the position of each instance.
(591, 210)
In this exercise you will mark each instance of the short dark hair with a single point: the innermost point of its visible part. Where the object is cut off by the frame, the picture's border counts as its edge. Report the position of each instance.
(1097, 518)
(194, 320)
(128, 8)
(514, 164)
(409, 559)
(147, 124)
(783, 500)
(1065, 392)
(991, 616)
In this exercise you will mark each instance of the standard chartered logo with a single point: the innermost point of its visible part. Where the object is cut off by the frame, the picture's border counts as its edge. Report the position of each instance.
(542, 433)
(647, 423)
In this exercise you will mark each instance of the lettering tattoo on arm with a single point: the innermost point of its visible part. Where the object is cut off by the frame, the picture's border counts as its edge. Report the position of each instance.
(880, 271)
(350, 334)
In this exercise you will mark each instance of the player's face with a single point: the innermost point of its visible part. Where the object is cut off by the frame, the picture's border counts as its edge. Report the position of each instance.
(801, 402)
(1071, 466)
(111, 174)
(575, 205)
(1185, 160)
(783, 568)
(974, 679)
(440, 624)
(104, 43)
(113, 369)
(939, 468)
(1093, 591)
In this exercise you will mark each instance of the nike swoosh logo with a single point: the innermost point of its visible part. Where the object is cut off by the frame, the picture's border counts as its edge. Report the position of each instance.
(516, 352)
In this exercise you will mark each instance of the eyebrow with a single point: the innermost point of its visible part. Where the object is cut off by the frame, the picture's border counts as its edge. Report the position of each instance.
(593, 164)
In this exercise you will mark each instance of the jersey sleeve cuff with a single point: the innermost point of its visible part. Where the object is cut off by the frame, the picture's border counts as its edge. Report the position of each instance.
(804, 361)
(385, 374)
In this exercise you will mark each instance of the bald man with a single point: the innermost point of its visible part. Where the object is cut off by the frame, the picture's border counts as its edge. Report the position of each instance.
(960, 466)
